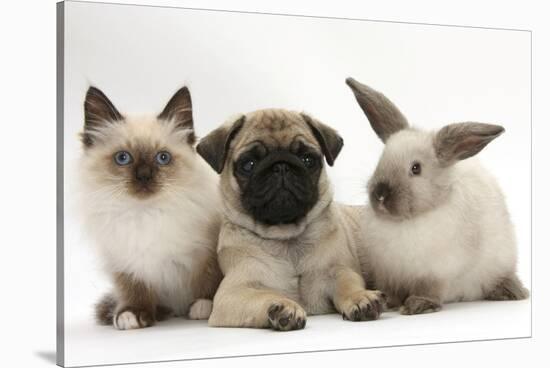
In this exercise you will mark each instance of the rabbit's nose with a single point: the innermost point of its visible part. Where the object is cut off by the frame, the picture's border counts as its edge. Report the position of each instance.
(381, 192)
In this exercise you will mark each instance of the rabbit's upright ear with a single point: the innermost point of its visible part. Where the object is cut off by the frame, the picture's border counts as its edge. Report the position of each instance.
(462, 140)
(384, 117)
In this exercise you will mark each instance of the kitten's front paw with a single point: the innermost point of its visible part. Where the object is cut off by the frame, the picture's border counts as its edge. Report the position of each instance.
(365, 305)
(129, 318)
(286, 315)
(419, 304)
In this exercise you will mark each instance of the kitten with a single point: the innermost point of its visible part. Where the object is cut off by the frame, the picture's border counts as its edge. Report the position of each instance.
(151, 206)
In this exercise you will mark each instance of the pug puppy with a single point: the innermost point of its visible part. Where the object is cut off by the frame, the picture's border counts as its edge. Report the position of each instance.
(285, 248)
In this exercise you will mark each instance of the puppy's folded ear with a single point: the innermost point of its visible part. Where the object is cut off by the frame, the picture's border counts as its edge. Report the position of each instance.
(462, 140)
(384, 117)
(329, 140)
(214, 147)
(180, 110)
(99, 112)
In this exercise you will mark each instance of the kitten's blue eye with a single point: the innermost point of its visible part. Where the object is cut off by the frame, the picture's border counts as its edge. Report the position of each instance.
(163, 158)
(123, 158)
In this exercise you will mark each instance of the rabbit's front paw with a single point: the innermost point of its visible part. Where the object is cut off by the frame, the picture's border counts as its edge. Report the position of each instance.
(365, 305)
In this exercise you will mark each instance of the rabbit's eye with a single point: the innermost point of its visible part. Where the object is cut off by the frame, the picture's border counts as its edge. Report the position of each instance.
(416, 169)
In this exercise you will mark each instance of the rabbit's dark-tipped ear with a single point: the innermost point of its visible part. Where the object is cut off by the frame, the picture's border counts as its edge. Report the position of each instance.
(462, 140)
(331, 143)
(384, 117)
(99, 111)
(180, 110)
(214, 147)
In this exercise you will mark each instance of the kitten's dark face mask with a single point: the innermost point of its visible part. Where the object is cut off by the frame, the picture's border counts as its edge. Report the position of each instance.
(278, 185)
(143, 171)
(143, 165)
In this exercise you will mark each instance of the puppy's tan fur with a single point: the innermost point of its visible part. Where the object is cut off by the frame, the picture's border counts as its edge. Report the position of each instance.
(276, 275)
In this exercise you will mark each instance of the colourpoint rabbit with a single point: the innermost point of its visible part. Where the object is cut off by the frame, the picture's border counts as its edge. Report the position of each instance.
(437, 229)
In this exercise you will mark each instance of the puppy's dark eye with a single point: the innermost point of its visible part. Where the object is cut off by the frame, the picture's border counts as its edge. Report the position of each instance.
(308, 160)
(416, 169)
(123, 158)
(247, 166)
(163, 158)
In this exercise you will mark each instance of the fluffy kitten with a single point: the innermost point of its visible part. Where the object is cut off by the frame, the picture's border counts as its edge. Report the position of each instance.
(151, 205)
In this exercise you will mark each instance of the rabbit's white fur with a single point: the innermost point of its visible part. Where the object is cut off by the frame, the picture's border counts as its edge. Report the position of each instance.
(437, 228)
(467, 243)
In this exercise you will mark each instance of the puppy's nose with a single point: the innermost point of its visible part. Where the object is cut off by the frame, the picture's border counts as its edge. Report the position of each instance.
(280, 168)
(381, 192)
(144, 174)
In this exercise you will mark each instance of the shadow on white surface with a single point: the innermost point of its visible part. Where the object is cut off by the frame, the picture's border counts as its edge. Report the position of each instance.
(47, 356)
(175, 339)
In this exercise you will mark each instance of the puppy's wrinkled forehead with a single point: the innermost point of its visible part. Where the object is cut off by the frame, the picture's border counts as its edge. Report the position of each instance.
(276, 129)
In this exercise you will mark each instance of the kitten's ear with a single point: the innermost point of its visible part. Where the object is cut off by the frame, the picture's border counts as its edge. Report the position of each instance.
(180, 110)
(214, 147)
(384, 117)
(331, 143)
(99, 111)
(462, 140)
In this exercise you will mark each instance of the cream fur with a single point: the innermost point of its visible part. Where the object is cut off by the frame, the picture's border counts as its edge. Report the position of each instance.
(158, 240)
(467, 243)
(274, 272)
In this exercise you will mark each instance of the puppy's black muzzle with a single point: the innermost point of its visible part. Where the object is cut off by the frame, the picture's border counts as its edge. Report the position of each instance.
(280, 191)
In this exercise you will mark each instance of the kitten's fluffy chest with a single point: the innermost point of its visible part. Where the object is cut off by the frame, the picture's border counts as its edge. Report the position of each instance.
(160, 245)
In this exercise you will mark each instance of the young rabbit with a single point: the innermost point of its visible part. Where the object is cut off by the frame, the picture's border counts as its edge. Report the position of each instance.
(437, 229)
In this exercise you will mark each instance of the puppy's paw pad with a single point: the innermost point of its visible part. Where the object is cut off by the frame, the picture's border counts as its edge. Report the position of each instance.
(286, 316)
(200, 309)
(366, 305)
(419, 305)
(129, 319)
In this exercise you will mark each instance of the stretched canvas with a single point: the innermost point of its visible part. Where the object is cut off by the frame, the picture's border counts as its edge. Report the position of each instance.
(237, 62)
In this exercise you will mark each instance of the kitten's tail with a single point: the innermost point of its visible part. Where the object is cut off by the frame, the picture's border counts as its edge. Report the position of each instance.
(105, 309)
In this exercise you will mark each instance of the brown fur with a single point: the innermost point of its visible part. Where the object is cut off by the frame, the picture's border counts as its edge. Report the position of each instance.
(207, 276)
(508, 288)
(135, 296)
(104, 310)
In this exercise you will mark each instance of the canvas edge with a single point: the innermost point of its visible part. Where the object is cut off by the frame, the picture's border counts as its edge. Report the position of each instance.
(60, 93)
(60, 264)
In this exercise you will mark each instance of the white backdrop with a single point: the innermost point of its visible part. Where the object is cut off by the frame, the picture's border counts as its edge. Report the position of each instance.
(240, 62)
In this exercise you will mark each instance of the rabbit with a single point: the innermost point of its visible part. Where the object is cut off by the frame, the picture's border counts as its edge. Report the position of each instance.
(437, 229)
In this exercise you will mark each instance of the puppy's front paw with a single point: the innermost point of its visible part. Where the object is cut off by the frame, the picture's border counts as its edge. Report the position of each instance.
(129, 318)
(286, 315)
(365, 305)
(419, 304)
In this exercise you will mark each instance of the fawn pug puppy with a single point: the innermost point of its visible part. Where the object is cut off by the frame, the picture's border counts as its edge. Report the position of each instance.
(285, 249)
(151, 205)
